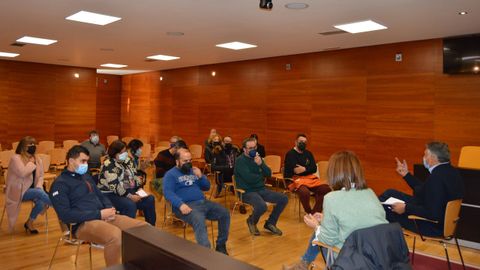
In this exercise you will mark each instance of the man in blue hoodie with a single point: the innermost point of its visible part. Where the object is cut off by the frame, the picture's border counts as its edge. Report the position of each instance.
(183, 186)
(79, 202)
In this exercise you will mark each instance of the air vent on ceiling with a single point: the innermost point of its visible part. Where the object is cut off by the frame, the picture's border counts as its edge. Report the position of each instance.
(18, 44)
(335, 32)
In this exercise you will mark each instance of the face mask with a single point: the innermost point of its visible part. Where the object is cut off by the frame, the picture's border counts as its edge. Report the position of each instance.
(216, 143)
(94, 139)
(186, 167)
(252, 153)
(228, 146)
(302, 146)
(138, 153)
(123, 156)
(425, 163)
(31, 149)
(82, 169)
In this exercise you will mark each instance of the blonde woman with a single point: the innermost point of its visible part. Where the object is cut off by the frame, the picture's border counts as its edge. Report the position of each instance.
(349, 207)
(25, 183)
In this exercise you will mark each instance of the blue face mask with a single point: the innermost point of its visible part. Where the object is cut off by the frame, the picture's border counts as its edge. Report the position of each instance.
(425, 164)
(82, 169)
(252, 153)
(138, 153)
(123, 156)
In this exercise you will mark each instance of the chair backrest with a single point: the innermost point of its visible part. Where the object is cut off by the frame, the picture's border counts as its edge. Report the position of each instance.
(196, 150)
(452, 215)
(274, 162)
(163, 144)
(5, 157)
(67, 144)
(322, 169)
(469, 157)
(158, 149)
(45, 146)
(126, 140)
(45, 160)
(14, 146)
(58, 156)
(111, 138)
(146, 151)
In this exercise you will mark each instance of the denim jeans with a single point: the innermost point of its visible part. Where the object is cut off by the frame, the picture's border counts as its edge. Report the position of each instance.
(129, 208)
(202, 210)
(257, 199)
(39, 197)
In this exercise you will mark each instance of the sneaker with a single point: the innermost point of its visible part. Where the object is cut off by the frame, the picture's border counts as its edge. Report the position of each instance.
(272, 228)
(302, 265)
(252, 227)
(221, 249)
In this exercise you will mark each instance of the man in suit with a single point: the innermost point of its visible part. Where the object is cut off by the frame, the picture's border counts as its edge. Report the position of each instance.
(429, 198)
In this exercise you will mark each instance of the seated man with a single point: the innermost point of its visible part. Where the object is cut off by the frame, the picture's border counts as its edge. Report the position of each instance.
(429, 198)
(183, 186)
(250, 172)
(96, 150)
(300, 165)
(78, 202)
(165, 160)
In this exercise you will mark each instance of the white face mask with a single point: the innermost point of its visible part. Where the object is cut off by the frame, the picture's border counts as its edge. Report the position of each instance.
(94, 139)
(425, 163)
(123, 156)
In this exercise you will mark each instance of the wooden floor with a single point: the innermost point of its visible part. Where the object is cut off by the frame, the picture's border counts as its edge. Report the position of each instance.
(22, 251)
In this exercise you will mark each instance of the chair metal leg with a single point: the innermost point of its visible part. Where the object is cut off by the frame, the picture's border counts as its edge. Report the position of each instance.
(76, 253)
(54, 253)
(184, 230)
(90, 251)
(164, 214)
(446, 254)
(460, 253)
(413, 253)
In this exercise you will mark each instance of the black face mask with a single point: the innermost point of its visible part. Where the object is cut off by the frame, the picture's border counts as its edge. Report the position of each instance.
(228, 146)
(31, 149)
(216, 143)
(186, 167)
(302, 146)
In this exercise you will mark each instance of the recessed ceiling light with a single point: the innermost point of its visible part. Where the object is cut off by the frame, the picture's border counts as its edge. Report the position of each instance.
(35, 40)
(296, 6)
(176, 34)
(76, 75)
(476, 68)
(110, 65)
(236, 45)
(214, 73)
(7, 54)
(163, 57)
(93, 18)
(360, 27)
(462, 13)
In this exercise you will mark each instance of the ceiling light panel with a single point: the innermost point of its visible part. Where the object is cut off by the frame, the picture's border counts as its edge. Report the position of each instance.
(110, 65)
(36, 40)
(92, 18)
(162, 57)
(236, 45)
(7, 54)
(360, 27)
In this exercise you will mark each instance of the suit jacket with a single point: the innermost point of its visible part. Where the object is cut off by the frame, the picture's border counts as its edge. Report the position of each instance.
(19, 179)
(381, 247)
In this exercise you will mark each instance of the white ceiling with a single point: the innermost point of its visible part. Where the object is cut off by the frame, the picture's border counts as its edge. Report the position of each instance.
(142, 30)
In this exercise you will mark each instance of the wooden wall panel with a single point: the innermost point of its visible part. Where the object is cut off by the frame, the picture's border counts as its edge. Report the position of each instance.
(49, 103)
(108, 105)
(359, 99)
